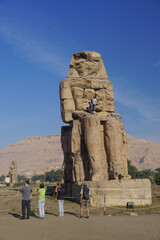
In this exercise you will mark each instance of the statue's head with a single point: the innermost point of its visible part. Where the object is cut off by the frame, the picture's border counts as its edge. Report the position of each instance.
(87, 63)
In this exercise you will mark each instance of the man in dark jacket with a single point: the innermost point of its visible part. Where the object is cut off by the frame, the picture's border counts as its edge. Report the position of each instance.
(84, 200)
(26, 199)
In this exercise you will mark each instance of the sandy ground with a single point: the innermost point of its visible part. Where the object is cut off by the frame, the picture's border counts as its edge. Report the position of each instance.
(71, 227)
(98, 227)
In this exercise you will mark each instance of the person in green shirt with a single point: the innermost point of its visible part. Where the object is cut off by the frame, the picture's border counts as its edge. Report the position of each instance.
(41, 200)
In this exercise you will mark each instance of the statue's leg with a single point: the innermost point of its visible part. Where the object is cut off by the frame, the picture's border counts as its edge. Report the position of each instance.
(76, 151)
(93, 142)
(113, 145)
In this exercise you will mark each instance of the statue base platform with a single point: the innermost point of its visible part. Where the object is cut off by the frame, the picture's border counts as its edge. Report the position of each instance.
(116, 192)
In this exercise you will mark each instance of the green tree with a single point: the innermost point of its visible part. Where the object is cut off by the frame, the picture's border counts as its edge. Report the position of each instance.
(2, 177)
(135, 173)
(22, 178)
(53, 176)
(157, 176)
(132, 170)
(41, 178)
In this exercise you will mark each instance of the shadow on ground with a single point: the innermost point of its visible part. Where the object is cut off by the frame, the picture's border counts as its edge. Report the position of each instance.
(20, 217)
(49, 213)
(73, 214)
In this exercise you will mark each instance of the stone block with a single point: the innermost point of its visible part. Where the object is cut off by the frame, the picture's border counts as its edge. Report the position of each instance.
(103, 115)
(77, 92)
(89, 94)
(117, 193)
(101, 94)
(100, 106)
(80, 82)
(68, 105)
(66, 116)
(109, 95)
(110, 106)
(81, 104)
(109, 86)
(65, 83)
(98, 84)
(65, 93)
(78, 114)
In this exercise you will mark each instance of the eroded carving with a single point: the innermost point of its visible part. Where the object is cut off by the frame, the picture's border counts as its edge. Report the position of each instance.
(94, 144)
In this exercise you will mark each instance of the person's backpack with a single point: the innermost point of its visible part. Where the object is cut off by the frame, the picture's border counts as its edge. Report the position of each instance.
(86, 193)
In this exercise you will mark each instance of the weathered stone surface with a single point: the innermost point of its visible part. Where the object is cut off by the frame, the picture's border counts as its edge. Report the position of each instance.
(113, 144)
(89, 94)
(100, 106)
(78, 171)
(92, 136)
(13, 172)
(99, 84)
(87, 78)
(80, 82)
(78, 114)
(77, 92)
(66, 93)
(81, 104)
(87, 64)
(103, 115)
(97, 147)
(110, 106)
(117, 193)
(68, 105)
(101, 95)
(66, 116)
(95, 143)
(65, 83)
(124, 152)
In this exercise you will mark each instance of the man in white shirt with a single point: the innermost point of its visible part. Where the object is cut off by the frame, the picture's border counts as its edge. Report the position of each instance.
(94, 101)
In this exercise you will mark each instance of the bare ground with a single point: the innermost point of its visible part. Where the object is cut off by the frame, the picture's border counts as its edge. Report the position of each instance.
(115, 225)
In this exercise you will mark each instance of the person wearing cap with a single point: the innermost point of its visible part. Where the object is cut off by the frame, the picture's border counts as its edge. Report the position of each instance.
(84, 199)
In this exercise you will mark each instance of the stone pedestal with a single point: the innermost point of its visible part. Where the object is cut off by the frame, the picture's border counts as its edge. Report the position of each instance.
(117, 192)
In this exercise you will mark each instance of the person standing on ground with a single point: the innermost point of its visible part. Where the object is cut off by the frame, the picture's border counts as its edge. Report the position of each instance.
(60, 198)
(84, 199)
(26, 199)
(94, 101)
(41, 200)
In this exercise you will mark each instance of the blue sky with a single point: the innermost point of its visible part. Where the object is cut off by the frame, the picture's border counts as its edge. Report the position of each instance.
(37, 40)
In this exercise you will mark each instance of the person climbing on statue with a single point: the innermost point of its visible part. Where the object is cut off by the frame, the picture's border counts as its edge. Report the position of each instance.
(94, 102)
(90, 108)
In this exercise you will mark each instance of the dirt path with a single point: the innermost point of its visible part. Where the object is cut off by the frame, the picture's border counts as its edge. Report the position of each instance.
(123, 227)
(71, 227)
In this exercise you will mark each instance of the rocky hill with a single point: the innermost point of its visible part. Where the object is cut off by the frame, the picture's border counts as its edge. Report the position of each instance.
(35, 155)
(144, 154)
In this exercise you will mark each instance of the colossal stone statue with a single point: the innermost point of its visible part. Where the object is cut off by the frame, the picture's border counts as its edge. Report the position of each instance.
(13, 172)
(94, 144)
